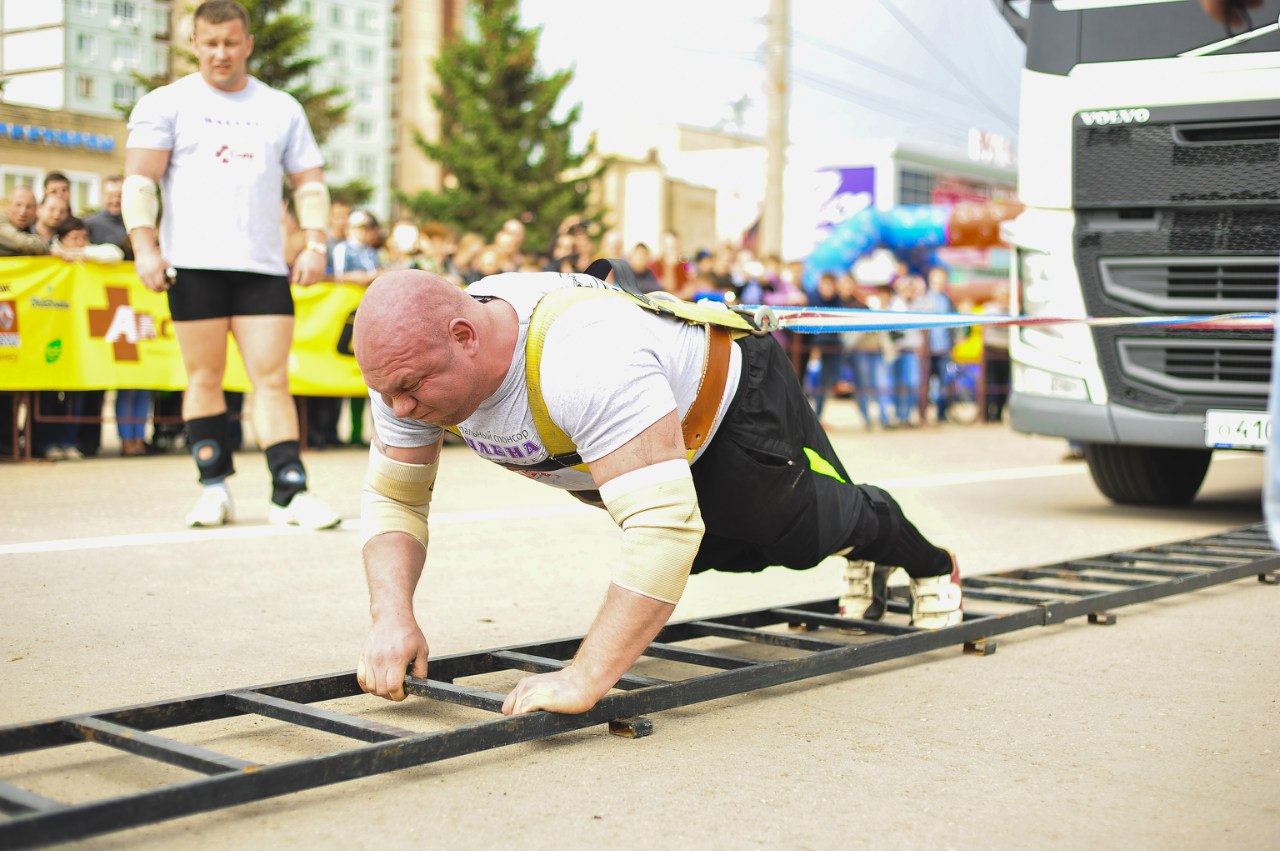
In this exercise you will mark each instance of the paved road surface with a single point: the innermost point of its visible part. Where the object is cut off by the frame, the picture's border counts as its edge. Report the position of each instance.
(1160, 732)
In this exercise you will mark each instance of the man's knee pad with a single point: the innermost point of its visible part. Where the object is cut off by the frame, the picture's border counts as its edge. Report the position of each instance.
(211, 447)
(879, 523)
(288, 477)
(888, 512)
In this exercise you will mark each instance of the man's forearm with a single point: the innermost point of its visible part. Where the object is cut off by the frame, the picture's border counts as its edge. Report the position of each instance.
(625, 625)
(393, 565)
(12, 239)
(144, 239)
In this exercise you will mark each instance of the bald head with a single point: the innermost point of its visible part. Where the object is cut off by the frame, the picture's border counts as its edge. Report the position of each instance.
(428, 349)
(403, 312)
(21, 207)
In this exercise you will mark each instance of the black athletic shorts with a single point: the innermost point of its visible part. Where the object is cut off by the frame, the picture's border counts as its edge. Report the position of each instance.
(218, 294)
(770, 486)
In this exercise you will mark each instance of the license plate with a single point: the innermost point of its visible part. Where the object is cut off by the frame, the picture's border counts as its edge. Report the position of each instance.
(1237, 429)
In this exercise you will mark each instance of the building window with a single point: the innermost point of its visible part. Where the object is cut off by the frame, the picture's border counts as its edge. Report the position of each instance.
(364, 20)
(125, 10)
(126, 53)
(915, 187)
(335, 15)
(364, 129)
(366, 57)
(15, 176)
(306, 7)
(88, 8)
(364, 93)
(122, 92)
(86, 45)
(335, 161)
(84, 87)
(365, 165)
(335, 50)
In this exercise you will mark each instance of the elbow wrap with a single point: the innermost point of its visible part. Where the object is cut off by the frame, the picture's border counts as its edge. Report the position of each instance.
(139, 202)
(657, 508)
(311, 202)
(396, 498)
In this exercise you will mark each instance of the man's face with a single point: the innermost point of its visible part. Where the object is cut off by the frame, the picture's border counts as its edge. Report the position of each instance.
(639, 258)
(75, 239)
(22, 208)
(52, 211)
(59, 189)
(223, 52)
(515, 228)
(339, 214)
(111, 197)
(432, 385)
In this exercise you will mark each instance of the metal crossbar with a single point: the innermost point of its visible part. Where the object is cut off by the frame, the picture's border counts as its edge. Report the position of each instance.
(1041, 596)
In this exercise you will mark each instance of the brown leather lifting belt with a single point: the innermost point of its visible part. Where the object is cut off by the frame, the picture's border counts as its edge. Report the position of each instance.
(701, 416)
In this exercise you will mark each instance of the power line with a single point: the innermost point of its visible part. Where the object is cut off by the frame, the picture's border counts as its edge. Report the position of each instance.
(874, 102)
(942, 59)
(880, 67)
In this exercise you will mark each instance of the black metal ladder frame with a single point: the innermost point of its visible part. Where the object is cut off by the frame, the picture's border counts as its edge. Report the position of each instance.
(1047, 595)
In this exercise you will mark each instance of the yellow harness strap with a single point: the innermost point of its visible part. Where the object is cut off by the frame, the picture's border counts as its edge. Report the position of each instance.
(556, 302)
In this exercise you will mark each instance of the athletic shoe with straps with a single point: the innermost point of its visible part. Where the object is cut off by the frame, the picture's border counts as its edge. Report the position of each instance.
(866, 593)
(937, 601)
(214, 508)
(306, 511)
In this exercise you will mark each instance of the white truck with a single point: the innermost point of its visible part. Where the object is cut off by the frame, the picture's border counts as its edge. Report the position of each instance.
(1149, 164)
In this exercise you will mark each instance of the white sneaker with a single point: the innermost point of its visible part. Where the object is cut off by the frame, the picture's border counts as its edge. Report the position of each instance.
(936, 600)
(306, 511)
(214, 508)
(55, 453)
(71, 453)
(866, 593)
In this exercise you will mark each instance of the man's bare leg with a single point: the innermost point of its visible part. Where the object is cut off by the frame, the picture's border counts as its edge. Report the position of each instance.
(203, 343)
(264, 343)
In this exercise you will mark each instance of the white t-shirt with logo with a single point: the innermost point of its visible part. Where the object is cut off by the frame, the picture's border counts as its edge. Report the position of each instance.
(610, 369)
(229, 152)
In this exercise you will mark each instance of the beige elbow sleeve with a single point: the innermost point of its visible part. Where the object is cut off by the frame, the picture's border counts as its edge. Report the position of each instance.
(139, 202)
(657, 508)
(311, 201)
(396, 498)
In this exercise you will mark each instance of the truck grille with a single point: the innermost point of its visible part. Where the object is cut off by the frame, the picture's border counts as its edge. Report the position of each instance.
(1199, 367)
(1192, 284)
(1178, 212)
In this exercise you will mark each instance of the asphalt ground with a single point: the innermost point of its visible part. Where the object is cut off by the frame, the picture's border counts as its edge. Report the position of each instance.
(1162, 731)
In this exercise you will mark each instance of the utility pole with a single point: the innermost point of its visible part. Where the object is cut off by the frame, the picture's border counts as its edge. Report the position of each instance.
(776, 94)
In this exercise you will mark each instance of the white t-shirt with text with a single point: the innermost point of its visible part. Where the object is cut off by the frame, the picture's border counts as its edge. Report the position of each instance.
(610, 369)
(229, 153)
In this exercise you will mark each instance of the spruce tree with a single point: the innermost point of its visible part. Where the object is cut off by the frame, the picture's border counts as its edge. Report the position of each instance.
(280, 59)
(503, 154)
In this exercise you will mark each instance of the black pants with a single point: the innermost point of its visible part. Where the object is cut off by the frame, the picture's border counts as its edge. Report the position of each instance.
(773, 492)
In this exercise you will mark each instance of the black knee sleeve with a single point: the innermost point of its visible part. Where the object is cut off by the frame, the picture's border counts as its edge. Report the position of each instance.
(288, 478)
(211, 447)
(884, 535)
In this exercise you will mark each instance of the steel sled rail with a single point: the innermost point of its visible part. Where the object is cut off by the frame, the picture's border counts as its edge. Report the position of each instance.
(1020, 598)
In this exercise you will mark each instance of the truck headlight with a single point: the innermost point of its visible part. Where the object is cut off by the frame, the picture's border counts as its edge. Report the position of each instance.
(1046, 286)
(1042, 382)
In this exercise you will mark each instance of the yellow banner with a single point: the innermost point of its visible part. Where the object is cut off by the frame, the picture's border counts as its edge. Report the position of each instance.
(82, 326)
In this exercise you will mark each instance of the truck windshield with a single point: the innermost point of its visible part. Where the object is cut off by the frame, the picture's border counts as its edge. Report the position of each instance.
(1061, 34)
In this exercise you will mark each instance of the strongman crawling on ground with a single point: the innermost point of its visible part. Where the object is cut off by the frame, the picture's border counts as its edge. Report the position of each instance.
(703, 449)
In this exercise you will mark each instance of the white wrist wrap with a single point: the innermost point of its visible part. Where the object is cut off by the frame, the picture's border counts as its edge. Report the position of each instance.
(311, 202)
(396, 498)
(139, 202)
(657, 508)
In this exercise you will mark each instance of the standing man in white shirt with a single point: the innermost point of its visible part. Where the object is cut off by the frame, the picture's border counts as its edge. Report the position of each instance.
(215, 146)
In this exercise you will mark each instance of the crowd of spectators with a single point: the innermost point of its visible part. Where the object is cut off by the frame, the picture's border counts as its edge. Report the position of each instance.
(882, 371)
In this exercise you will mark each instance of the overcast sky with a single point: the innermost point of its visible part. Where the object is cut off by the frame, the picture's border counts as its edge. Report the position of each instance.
(926, 70)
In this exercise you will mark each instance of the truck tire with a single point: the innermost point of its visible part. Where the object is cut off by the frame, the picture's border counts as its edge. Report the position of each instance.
(1147, 475)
